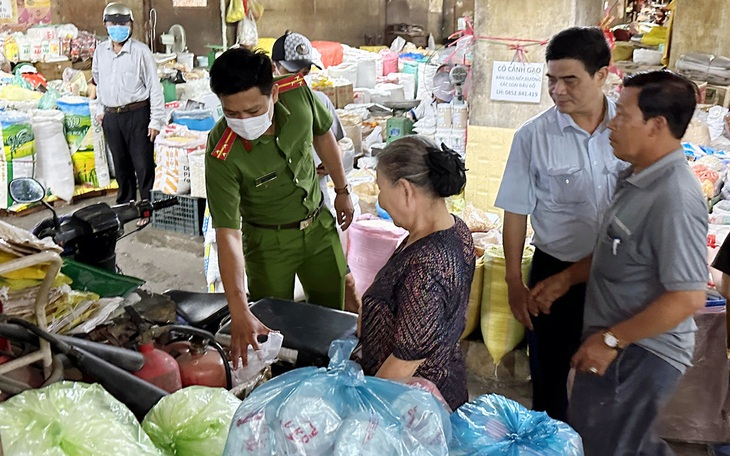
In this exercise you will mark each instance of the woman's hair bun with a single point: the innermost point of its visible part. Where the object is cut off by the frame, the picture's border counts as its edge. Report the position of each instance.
(446, 171)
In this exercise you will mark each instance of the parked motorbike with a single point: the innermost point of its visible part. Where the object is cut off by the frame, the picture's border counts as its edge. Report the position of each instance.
(90, 236)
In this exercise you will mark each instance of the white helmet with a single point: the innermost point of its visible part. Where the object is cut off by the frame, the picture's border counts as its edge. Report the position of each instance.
(118, 13)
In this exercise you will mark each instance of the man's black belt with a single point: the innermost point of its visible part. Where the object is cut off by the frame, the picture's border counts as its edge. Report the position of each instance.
(126, 108)
(300, 225)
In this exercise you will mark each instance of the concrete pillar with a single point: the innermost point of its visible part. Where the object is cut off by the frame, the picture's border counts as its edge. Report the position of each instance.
(518, 19)
(700, 28)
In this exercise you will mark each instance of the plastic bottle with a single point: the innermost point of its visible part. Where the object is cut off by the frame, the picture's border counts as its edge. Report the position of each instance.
(159, 368)
(202, 366)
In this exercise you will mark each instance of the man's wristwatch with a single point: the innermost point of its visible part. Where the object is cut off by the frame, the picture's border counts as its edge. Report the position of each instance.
(612, 341)
(346, 190)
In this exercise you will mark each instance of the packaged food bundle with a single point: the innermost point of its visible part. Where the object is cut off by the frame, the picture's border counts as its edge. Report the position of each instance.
(338, 411)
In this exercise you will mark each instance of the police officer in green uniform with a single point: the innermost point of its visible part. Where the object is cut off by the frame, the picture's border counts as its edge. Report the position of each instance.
(261, 180)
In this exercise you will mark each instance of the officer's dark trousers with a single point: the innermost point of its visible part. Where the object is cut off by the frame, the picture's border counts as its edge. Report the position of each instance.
(554, 341)
(615, 413)
(133, 153)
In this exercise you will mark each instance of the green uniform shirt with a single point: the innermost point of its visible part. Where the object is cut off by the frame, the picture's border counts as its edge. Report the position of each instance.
(275, 182)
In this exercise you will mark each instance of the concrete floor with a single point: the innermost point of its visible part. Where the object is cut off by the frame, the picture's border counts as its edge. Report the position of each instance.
(169, 260)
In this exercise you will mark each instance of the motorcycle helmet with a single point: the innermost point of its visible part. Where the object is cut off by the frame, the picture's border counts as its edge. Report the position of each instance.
(118, 13)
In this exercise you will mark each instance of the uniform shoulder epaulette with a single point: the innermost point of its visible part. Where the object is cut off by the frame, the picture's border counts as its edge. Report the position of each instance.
(223, 148)
(291, 82)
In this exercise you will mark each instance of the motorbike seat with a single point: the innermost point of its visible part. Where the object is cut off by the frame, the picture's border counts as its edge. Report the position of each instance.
(201, 310)
(307, 328)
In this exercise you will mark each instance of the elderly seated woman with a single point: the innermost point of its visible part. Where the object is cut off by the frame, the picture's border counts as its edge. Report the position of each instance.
(415, 311)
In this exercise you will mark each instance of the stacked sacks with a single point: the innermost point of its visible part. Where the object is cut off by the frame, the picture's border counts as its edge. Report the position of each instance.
(338, 411)
(172, 146)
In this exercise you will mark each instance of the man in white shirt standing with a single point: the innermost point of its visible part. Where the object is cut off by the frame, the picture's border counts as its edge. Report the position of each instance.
(131, 104)
(561, 172)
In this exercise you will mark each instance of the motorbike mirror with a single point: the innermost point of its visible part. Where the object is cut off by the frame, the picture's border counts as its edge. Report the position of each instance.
(26, 190)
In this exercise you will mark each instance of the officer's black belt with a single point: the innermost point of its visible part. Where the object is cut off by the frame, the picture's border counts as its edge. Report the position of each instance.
(300, 225)
(126, 108)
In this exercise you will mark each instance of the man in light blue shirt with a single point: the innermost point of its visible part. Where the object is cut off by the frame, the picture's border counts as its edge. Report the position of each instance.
(562, 172)
(131, 103)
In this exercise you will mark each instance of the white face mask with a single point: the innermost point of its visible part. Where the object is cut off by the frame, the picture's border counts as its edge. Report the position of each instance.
(252, 127)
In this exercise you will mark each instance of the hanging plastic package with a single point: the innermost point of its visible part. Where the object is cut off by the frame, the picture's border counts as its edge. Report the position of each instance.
(71, 419)
(54, 168)
(235, 11)
(495, 425)
(501, 331)
(192, 422)
(338, 411)
(247, 31)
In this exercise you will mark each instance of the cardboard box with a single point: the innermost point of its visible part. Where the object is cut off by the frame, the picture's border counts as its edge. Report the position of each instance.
(345, 95)
(717, 95)
(330, 92)
(53, 70)
(701, 91)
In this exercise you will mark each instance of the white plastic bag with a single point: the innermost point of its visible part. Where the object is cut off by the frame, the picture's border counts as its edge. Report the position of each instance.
(54, 168)
(248, 34)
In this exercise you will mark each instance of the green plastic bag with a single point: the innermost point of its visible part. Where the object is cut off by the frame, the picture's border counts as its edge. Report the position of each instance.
(192, 422)
(71, 419)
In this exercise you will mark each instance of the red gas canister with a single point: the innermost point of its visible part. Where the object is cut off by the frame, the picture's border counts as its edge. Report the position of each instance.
(202, 366)
(159, 368)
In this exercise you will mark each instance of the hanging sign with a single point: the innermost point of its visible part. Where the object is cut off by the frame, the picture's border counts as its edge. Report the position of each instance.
(8, 11)
(189, 3)
(517, 81)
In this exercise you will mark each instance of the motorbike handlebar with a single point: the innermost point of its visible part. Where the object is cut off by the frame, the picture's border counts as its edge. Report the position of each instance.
(142, 209)
(164, 203)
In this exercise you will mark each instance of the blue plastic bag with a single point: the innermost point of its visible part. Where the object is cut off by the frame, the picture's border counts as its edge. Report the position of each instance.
(197, 120)
(493, 425)
(338, 411)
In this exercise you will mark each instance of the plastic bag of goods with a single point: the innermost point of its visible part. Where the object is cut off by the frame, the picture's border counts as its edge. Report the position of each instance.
(495, 425)
(69, 418)
(474, 310)
(80, 138)
(54, 168)
(172, 169)
(196, 120)
(338, 411)
(102, 162)
(192, 422)
(371, 243)
(501, 331)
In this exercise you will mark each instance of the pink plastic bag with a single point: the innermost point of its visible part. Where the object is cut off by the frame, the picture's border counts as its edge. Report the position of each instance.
(390, 62)
(371, 243)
